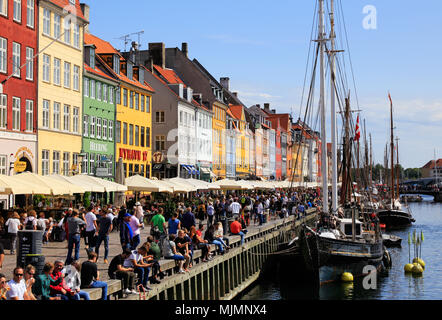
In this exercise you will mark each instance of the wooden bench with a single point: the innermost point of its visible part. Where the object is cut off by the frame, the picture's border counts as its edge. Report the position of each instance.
(114, 288)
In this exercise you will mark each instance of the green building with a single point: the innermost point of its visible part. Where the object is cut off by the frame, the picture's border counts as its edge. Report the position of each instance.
(99, 114)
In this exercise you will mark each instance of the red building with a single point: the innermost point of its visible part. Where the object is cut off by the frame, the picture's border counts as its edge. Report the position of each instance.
(18, 75)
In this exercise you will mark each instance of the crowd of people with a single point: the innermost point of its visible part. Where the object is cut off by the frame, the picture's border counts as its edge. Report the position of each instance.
(196, 224)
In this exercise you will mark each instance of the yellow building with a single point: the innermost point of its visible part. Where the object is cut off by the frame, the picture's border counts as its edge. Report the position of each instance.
(60, 64)
(133, 104)
(242, 141)
(219, 139)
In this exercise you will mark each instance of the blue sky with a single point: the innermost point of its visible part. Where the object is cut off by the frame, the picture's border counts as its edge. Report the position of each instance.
(263, 49)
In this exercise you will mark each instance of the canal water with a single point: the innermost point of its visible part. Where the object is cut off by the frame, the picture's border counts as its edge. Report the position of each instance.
(396, 285)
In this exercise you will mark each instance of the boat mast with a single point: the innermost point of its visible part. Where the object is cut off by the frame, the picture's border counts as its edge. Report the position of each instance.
(334, 162)
(393, 196)
(322, 40)
(397, 166)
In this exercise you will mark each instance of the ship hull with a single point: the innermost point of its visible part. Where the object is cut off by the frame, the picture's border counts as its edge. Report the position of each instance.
(395, 219)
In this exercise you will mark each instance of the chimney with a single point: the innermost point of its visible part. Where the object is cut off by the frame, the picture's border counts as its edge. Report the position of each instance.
(235, 94)
(274, 111)
(185, 49)
(267, 107)
(157, 52)
(225, 82)
(85, 10)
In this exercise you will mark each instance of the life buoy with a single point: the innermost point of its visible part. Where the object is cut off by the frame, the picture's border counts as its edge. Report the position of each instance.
(386, 259)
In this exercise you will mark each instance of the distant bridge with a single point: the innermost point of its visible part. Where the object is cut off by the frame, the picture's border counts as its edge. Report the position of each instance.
(436, 194)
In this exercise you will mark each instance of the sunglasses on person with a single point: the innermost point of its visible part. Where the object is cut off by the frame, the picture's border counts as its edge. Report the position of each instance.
(19, 274)
(31, 273)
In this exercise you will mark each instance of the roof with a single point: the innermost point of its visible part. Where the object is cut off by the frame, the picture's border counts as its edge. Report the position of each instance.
(65, 4)
(97, 72)
(236, 111)
(169, 75)
(431, 164)
(104, 47)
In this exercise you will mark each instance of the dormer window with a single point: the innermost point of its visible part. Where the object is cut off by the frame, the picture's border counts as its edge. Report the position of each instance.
(116, 63)
(92, 57)
(129, 70)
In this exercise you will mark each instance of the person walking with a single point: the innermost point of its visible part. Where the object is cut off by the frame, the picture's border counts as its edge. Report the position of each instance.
(91, 228)
(210, 214)
(104, 229)
(188, 219)
(74, 228)
(13, 224)
(136, 229)
(126, 233)
(158, 225)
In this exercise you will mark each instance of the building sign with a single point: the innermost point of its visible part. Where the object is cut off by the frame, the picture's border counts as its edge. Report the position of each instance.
(98, 147)
(101, 172)
(25, 150)
(158, 157)
(135, 155)
(19, 166)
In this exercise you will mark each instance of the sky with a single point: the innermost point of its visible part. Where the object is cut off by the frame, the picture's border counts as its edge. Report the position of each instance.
(263, 48)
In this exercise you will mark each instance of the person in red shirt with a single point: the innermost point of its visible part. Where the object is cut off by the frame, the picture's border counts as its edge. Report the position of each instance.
(61, 289)
(236, 229)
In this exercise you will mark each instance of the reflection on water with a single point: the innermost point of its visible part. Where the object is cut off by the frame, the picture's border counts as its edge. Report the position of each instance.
(396, 285)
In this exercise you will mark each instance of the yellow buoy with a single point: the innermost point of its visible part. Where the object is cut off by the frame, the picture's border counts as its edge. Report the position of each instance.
(420, 261)
(347, 277)
(417, 268)
(408, 267)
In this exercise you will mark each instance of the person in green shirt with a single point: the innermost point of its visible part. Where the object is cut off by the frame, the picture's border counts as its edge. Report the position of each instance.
(160, 222)
(43, 281)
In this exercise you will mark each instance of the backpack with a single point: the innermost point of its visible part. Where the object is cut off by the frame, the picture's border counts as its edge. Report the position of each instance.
(41, 224)
(29, 225)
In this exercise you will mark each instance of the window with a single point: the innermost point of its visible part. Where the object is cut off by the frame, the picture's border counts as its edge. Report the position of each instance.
(124, 133)
(137, 101)
(57, 26)
(159, 116)
(118, 95)
(66, 118)
(132, 99)
(142, 103)
(98, 128)
(142, 137)
(67, 30)
(85, 125)
(93, 89)
(104, 129)
(76, 35)
(75, 162)
(92, 128)
(91, 163)
(86, 87)
(29, 115)
(125, 97)
(56, 162)
(3, 53)
(57, 71)
(56, 116)
(3, 111)
(137, 135)
(147, 104)
(111, 95)
(46, 22)
(66, 163)
(84, 165)
(116, 63)
(104, 92)
(99, 91)
(4, 7)
(30, 14)
(29, 64)
(45, 119)
(75, 119)
(160, 143)
(76, 78)
(45, 162)
(16, 104)
(131, 134)
(118, 131)
(181, 117)
(16, 48)
(67, 75)
(148, 137)
(17, 10)
(111, 130)
(92, 57)
(46, 67)
(3, 168)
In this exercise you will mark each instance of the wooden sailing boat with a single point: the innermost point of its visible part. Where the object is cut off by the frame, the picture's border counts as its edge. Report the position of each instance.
(393, 216)
(330, 250)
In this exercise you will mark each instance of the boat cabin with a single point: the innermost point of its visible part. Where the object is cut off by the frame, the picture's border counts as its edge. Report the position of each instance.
(345, 227)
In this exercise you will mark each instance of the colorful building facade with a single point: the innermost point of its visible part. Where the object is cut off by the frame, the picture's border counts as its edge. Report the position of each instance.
(60, 98)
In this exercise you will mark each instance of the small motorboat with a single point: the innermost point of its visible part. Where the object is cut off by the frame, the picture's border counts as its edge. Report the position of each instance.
(390, 240)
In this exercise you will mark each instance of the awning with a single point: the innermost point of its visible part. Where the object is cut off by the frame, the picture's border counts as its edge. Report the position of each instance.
(187, 168)
(87, 185)
(109, 186)
(179, 185)
(205, 170)
(139, 183)
(57, 187)
(212, 175)
(9, 185)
